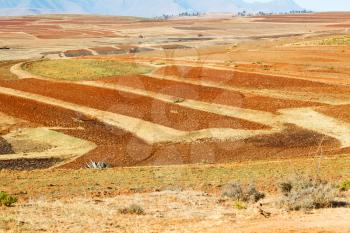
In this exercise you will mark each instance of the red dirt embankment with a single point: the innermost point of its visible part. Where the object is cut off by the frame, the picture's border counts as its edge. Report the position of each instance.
(253, 81)
(108, 50)
(239, 79)
(208, 94)
(341, 112)
(145, 108)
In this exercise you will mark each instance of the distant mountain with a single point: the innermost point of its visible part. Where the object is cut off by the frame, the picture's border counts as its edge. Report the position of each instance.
(146, 8)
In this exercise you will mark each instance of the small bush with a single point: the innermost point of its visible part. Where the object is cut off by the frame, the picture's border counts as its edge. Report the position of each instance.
(132, 209)
(239, 205)
(307, 194)
(286, 188)
(345, 186)
(7, 200)
(253, 195)
(235, 192)
(97, 165)
(180, 100)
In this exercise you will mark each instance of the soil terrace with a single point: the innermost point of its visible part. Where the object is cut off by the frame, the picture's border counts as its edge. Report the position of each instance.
(145, 108)
(208, 94)
(239, 79)
(132, 151)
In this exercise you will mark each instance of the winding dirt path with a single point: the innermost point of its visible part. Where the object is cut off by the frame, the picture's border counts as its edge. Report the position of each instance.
(20, 73)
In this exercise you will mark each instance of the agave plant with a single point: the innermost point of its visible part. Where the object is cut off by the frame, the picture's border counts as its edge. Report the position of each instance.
(97, 165)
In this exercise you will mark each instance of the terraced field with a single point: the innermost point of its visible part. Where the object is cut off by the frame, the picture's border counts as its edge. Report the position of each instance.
(179, 109)
(177, 114)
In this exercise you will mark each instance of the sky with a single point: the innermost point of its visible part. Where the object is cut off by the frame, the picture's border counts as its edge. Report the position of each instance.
(320, 5)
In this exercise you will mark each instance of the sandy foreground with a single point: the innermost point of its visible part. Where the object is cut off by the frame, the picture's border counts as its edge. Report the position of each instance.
(167, 211)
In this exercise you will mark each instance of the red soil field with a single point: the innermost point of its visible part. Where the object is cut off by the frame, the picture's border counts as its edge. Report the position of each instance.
(10, 22)
(99, 20)
(339, 25)
(305, 18)
(108, 50)
(207, 94)
(241, 79)
(292, 142)
(341, 112)
(29, 28)
(77, 53)
(61, 34)
(120, 148)
(4, 23)
(145, 108)
(51, 31)
(112, 142)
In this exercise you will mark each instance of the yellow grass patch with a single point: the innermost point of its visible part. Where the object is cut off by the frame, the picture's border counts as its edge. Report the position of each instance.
(84, 69)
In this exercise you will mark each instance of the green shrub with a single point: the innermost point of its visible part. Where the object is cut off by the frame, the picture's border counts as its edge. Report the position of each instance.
(345, 186)
(132, 209)
(7, 200)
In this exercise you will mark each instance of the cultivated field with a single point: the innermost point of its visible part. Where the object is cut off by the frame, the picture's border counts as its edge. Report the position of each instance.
(177, 109)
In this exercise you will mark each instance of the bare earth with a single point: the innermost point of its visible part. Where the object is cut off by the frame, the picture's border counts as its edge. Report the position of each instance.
(222, 90)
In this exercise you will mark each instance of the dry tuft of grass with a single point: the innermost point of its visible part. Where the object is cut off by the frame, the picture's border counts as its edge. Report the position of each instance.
(132, 210)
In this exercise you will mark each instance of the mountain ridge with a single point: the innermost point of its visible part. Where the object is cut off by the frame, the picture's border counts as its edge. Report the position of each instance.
(145, 8)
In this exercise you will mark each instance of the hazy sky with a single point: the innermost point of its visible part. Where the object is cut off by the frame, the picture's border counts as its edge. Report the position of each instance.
(321, 5)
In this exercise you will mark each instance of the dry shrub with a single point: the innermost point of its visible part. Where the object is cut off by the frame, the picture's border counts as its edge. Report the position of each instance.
(304, 193)
(132, 209)
(237, 193)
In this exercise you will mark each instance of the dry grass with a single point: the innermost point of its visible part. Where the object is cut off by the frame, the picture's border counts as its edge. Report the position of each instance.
(5, 67)
(341, 40)
(330, 41)
(72, 183)
(84, 69)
